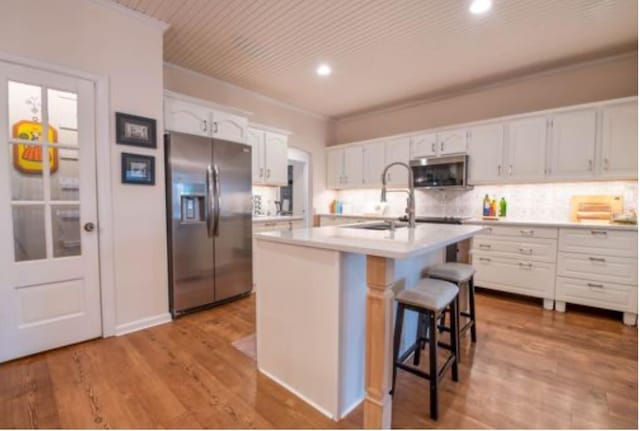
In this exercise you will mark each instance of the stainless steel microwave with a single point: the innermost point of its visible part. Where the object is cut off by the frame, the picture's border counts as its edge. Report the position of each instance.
(440, 172)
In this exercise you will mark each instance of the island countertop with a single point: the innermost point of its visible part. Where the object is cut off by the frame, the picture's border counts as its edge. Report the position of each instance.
(399, 244)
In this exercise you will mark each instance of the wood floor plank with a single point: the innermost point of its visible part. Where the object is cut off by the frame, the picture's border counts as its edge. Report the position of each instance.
(531, 368)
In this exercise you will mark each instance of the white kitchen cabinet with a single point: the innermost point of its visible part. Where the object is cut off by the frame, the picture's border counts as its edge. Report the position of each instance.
(269, 157)
(573, 144)
(345, 167)
(486, 152)
(424, 145)
(526, 149)
(397, 150)
(229, 127)
(452, 142)
(186, 117)
(374, 162)
(619, 155)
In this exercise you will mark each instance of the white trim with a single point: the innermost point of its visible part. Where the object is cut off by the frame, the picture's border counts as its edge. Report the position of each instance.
(207, 103)
(299, 395)
(272, 129)
(551, 111)
(146, 19)
(103, 181)
(351, 408)
(471, 89)
(249, 92)
(138, 325)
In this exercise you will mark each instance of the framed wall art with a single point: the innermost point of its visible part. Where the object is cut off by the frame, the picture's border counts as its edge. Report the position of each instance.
(136, 131)
(138, 169)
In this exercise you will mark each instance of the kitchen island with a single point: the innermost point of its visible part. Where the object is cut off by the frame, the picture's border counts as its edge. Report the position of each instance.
(325, 308)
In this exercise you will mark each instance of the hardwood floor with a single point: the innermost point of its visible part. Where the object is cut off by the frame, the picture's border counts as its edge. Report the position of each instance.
(530, 369)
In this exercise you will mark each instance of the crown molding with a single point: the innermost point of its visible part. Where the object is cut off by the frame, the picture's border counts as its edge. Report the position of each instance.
(146, 19)
(246, 91)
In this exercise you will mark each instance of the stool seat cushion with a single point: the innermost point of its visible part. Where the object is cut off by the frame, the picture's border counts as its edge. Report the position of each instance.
(452, 271)
(429, 294)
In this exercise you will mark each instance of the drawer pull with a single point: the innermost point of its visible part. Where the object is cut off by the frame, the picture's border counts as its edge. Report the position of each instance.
(484, 245)
(528, 251)
(271, 224)
(527, 232)
(525, 265)
(598, 232)
(597, 259)
(599, 286)
(484, 259)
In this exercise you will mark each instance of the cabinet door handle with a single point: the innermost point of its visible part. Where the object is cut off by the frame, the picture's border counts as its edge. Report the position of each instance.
(442, 146)
(597, 259)
(433, 147)
(598, 232)
(204, 125)
(270, 224)
(484, 245)
(484, 259)
(525, 265)
(499, 169)
(268, 173)
(528, 251)
(527, 232)
(388, 176)
(599, 286)
(261, 172)
(590, 165)
(606, 164)
(510, 169)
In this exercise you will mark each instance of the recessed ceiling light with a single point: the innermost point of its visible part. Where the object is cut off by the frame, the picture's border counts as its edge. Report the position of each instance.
(323, 70)
(480, 6)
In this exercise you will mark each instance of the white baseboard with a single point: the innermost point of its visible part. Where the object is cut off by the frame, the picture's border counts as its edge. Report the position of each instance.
(299, 395)
(146, 322)
(351, 407)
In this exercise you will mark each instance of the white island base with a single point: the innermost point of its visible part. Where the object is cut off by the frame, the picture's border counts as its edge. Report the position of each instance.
(311, 320)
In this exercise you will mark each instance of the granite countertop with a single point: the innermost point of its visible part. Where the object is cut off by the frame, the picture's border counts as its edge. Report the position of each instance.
(570, 224)
(399, 244)
(276, 218)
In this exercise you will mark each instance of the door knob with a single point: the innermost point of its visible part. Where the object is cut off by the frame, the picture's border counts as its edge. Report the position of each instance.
(89, 227)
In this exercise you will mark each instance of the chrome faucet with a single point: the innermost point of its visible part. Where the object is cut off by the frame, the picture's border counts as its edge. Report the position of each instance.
(411, 199)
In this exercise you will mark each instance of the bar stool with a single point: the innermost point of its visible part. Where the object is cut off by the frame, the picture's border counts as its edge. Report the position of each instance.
(460, 274)
(429, 299)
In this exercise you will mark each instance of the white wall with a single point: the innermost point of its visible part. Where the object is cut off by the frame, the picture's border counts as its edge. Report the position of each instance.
(85, 36)
(309, 131)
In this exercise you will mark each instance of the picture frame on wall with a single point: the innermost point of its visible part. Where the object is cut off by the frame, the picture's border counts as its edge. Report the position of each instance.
(135, 130)
(138, 169)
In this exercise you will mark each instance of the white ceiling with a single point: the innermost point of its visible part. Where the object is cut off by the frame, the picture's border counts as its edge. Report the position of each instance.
(382, 51)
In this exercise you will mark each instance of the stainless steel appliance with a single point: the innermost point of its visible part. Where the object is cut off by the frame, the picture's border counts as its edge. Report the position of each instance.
(209, 220)
(448, 172)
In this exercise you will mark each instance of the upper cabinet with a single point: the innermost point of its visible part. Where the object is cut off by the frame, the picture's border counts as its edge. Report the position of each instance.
(269, 157)
(485, 147)
(397, 150)
(374, 162)
(452, 142)
(618, 157)
(345, 167)
(198, 119)
(572, 146)
(425, 145)
(526, 155)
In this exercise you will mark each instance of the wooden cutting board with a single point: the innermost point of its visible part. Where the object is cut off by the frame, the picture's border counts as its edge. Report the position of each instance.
(595, 208)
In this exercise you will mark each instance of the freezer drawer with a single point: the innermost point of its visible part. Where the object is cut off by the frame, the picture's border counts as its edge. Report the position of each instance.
(623, 270)
(611, 296)
(521, 276)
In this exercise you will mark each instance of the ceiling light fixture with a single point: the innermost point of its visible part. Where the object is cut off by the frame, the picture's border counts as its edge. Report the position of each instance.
(323, 70)
(479, 7)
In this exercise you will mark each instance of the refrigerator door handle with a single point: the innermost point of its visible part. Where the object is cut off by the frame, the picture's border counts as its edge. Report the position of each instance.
(209, 204)
(216, 222)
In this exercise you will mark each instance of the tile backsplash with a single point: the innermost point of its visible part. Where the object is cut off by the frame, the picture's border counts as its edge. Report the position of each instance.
(535, 202)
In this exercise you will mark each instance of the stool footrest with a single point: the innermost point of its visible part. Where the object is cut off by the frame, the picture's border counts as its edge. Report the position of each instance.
(418, 372)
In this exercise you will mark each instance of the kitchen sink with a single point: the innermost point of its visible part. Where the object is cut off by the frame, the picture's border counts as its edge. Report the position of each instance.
(377, 226)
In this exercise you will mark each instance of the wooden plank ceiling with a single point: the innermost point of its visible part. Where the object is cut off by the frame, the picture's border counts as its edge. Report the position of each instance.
(382, 51)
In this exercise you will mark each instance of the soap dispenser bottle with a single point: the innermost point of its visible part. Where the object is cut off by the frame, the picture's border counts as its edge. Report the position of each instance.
(486, 206)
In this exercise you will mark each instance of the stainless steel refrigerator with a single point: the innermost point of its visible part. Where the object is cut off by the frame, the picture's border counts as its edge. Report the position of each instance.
(209, 221)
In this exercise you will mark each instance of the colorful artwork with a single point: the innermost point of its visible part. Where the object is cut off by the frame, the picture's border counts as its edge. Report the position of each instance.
(28, 158)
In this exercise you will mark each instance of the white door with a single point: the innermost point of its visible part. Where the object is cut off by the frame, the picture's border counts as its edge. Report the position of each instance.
(619, 156)
(353, 166)
(398, 150)
(229, 127)
(374, 162)
(425, 145)
(49, 288)
(185, 117)
(335, 168)
(573, 144)
(526, 149)
(276, 159)
(452, 142)
(255, 138)
(486, 150)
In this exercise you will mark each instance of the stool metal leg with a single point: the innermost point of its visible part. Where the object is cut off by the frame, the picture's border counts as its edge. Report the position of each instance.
(454, 338)
(397, 335)
(433, 365)
(472, 308)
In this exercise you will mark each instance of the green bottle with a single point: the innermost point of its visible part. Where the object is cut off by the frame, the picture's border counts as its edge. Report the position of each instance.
(503, 207)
